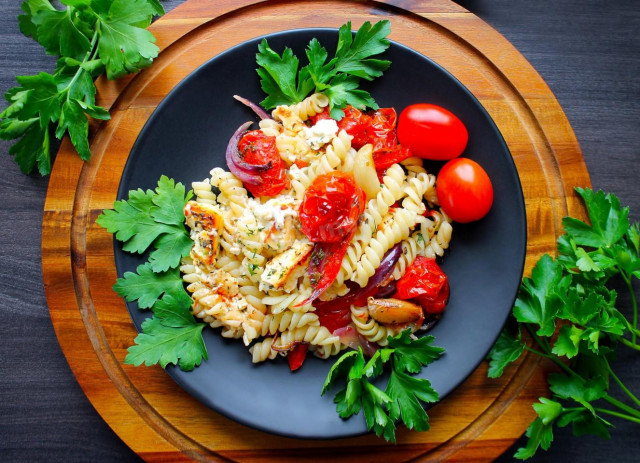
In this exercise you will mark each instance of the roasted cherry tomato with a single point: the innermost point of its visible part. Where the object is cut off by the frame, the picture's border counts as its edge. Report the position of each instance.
(432, 132)
(330, 207)
(297, 355)
(356, 124)
(464, 190)
(324, 114)
(379, 129)
(258, 149)
(382, 129)
(425, 282)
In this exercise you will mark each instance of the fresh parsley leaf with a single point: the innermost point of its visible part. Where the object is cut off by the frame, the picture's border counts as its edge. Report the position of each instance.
(538, 301)
(609, 222)
(568, 342)
(412, 354)
(170, 248)
(353, 53)
(285, 83)
(125, 47)
(170, 199)
(147, 287)
(159, 343)
(174, 310)
(404, 393)
(152, 217)
(540, 435)
(506, 350)
(279, 77)
(585, 422)
(89, 36)
(548, 410)
(578, 389)
(571, 292)
(376, 416)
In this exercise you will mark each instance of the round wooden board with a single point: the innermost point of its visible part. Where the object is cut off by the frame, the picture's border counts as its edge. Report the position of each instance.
(158, 420)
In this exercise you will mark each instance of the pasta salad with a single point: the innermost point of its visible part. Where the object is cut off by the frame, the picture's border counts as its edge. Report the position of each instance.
(313, 241)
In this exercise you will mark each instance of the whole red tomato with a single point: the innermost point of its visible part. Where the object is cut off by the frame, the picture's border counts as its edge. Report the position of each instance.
(256, 148)
(432, 132)
(464, 190)
(425, 282)
(330, 207)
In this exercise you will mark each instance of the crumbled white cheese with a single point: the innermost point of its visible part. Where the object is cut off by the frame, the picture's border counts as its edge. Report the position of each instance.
(274, 210)
(321, 133)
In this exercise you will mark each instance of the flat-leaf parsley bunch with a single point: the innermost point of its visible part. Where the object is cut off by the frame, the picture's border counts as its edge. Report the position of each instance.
(89, 37)
(155, 219)
(569, 311)
(337, 78)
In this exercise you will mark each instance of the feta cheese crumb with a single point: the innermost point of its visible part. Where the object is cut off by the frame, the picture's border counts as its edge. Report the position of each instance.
(321, 133)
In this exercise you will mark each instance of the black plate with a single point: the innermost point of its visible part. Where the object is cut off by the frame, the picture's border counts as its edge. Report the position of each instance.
(186, 137)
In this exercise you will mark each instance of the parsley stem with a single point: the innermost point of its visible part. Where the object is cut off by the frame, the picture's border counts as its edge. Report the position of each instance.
(621, 384)
(89, 54)
(621, 406)
(537, 352)
(634, 304)
(547, 350)
(619, 415)
(630, 344)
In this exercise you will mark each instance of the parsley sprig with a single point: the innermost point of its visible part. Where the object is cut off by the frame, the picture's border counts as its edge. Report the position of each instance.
(90, 37)
(337, 78)
(155, 219)
(569, 312)
(404, 394)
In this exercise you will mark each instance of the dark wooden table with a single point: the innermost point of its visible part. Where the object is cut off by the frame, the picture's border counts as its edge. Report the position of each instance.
(587, 51)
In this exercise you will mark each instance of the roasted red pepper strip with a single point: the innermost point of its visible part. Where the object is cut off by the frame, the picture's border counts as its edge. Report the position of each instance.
(297, 355)
(324, 265)
(385, 158)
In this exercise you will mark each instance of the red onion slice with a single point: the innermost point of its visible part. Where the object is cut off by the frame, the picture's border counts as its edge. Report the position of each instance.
(262, 114)
(351, 338)
(237, 165)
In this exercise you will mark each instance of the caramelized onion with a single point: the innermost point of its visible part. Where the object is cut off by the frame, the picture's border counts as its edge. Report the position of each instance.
(262, 114)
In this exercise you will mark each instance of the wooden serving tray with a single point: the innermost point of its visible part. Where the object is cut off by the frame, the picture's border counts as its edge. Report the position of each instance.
(156, 418)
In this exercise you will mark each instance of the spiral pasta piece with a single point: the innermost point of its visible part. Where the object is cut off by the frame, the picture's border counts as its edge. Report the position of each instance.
(279, 302)
(287, 320)
(394, 229)
(415, 190)
(370, 329)
(315, 335)
(270, 127)
(326, 351)
(262, 351)
(232, 192)
(300, 112)
(373, 215)
(203, 193)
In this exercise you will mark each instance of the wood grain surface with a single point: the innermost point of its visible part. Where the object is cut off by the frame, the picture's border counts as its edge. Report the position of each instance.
(478, 420)
(528, 116)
